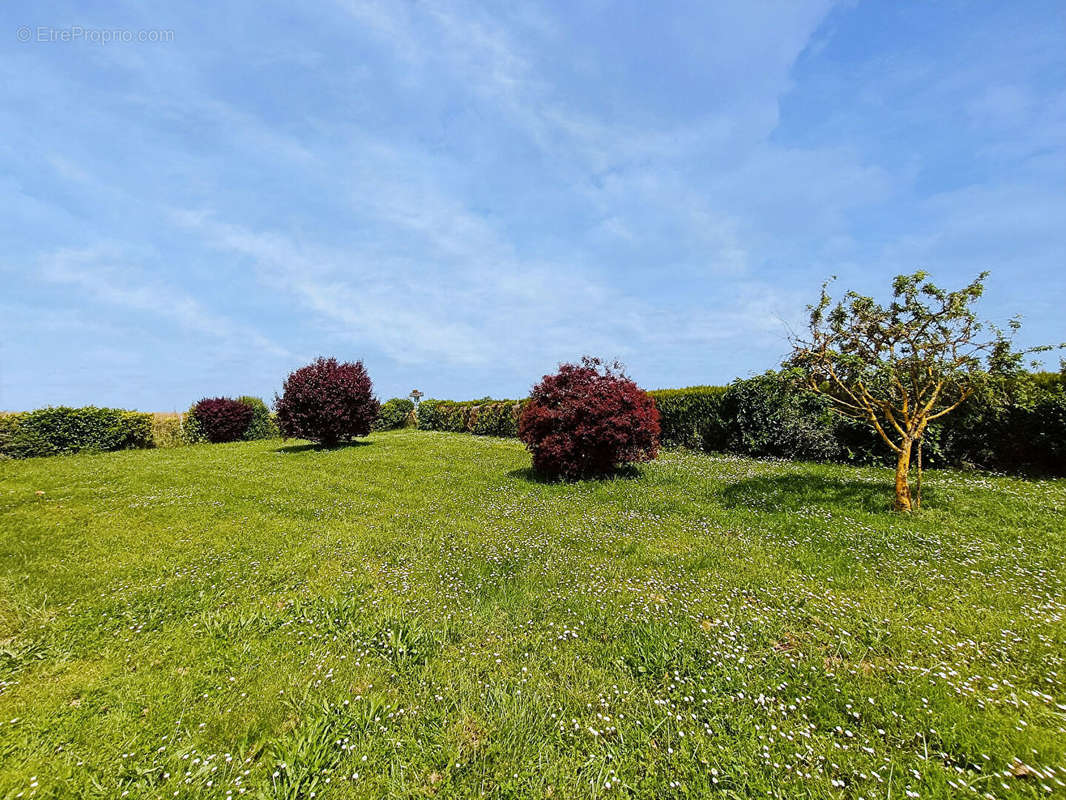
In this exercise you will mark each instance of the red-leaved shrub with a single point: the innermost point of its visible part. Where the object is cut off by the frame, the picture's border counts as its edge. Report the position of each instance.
(327, 402)
(588, 419)
(222, 419)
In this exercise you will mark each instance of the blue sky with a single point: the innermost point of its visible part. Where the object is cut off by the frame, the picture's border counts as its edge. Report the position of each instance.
(465, 194)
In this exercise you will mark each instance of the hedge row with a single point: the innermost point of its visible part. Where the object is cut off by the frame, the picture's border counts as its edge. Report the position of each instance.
(485, 417)
(395, 413)
(1026, 432)
(52, 431)
(167, 430)
(762, 416)
(767, 417)
(684, 413)
(1022, 431)
(58, 430)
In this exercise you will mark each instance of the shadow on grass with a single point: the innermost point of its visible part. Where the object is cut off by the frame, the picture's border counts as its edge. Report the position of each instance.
(793, 492)
(311, 446)
(529, 475)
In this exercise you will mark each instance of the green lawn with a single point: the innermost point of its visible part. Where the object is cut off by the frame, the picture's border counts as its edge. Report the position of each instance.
(414, 616)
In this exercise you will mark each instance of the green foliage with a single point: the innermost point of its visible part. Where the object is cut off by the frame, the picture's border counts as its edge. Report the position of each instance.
(167, 431)
(262, 425)
(60, 429)
(1019, 426)
(766, 416)
(395, 413)
(1050, 439)
(905, 363)
(443, 415)
(191, 428)
(8, 432)
(485, 417)
(428, 415)
(687, 415)
(495, 419)
(1050, 381)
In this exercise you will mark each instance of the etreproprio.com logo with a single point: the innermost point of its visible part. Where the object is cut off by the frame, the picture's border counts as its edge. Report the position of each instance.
(79, 33)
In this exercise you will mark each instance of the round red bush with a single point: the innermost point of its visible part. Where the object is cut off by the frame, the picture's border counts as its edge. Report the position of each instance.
(327, 402)
(587, 420)
(222, 419)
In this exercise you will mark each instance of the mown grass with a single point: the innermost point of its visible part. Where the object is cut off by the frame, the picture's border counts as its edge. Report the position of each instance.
(415, 616)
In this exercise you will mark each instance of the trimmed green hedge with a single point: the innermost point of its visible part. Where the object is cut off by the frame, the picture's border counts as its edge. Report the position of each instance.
(1021, 431)
(766, 416)
(686, 415)
(485, 417)
(395, 413)
(167, 432)
(1024, 432)
(56, 430)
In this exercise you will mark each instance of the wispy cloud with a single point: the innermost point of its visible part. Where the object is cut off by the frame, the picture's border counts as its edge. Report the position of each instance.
(107, 274)
(466, 193)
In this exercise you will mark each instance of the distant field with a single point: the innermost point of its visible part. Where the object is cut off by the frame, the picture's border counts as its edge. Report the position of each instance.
(413, 616)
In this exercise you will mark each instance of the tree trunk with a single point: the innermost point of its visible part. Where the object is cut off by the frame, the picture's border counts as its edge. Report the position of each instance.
(918, 486)
(903, 466)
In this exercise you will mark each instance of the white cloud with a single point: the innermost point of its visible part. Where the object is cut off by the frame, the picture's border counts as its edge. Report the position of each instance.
(486, 309)
(492, 188)
(112, 276)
